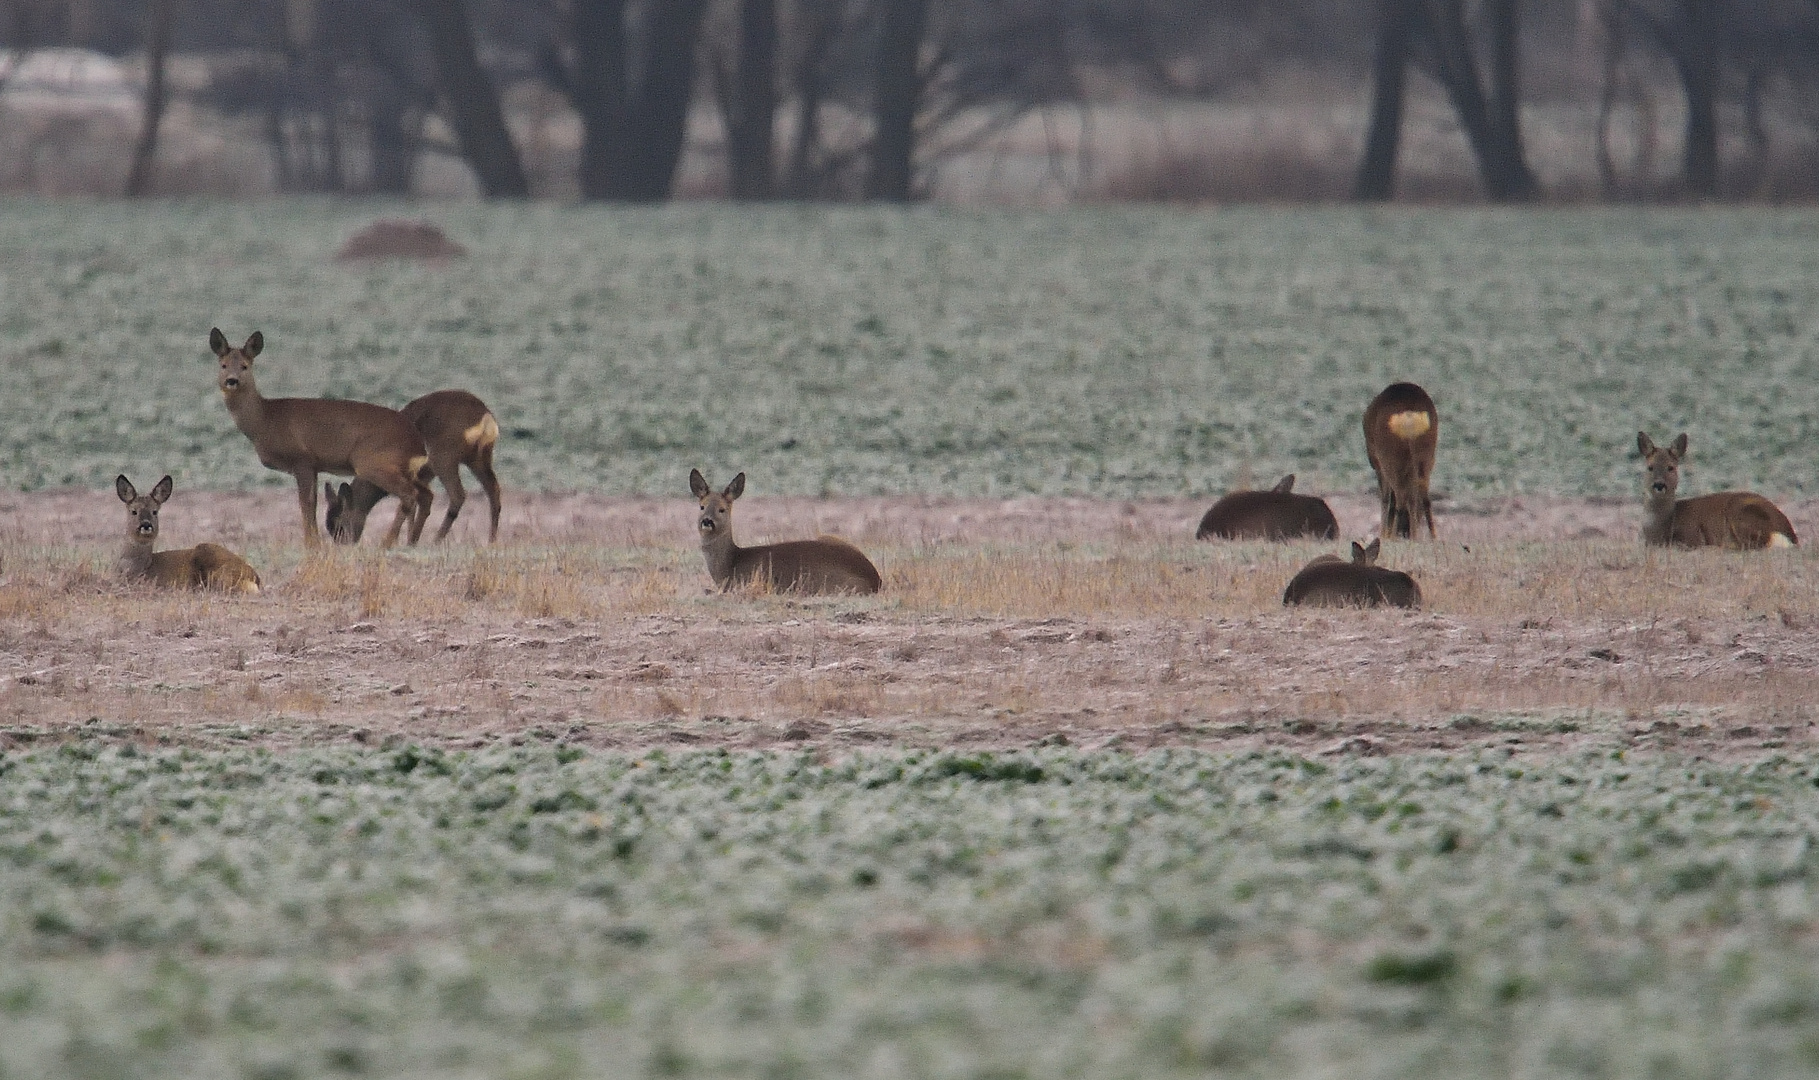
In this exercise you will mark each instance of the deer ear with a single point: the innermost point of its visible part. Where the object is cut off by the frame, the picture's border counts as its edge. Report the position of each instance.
(1371, 552)
(1357, 552)
(735, 489)
(347, 493)
(697, 484)
(125, 489)
(1285, 485)
(161, 491)
(1644, 445)
(217, 341)
(254, 345)
(328, 491)
(1679, 446)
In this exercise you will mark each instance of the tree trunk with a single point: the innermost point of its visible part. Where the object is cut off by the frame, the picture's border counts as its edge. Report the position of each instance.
(159, 16)
(1506, 176)
(473, 104)
(896, 96)
(1506, 85)
(751, 132)
(1389, 81)
(1697, 59)
(597, 90)
(658, 122)
(633, 135)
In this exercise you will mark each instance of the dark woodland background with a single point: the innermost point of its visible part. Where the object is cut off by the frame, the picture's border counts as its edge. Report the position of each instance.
(1007, 101)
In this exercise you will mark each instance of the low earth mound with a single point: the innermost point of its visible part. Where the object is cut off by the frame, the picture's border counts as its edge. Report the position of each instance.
(394, 238)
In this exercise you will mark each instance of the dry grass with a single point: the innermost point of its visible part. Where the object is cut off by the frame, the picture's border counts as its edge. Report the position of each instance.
(1130, 633)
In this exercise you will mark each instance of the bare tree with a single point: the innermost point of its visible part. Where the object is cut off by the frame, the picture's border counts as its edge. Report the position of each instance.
(895, 99)
(160, 15)
(1489, 116)
(473, 105)
(751, 107)
(631, 91)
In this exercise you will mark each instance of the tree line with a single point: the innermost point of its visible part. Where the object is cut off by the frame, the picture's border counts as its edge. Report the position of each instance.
(855, 99)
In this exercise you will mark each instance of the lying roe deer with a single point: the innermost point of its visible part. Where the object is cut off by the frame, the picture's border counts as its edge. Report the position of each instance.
(1276, 514)
(205, 566)
(1329, 581)
(826, 564)
(458, 429)
(1401, 430)
(309, 436)
(1733, 519)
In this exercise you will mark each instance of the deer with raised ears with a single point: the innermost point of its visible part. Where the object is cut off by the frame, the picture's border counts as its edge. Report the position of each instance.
(1331, 582)
(826, 564)
(205, 566)
(1401, 431)
(458, 429)
(1733, 519)
(310, 436)
(1276, 514)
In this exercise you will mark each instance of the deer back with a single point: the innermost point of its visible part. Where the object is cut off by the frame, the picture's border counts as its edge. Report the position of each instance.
(205, 566)
(453, 423)
(1733, 519)
(826, 564)
(1329, 581)
(330, 435)
(1268, 515)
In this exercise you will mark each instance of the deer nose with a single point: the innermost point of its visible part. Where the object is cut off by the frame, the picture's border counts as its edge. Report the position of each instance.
(230, 383)
(1659, 486)
(707, 524)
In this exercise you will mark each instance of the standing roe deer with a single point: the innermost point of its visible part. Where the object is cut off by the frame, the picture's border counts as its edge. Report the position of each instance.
(205, 566)
(1401, 429)
(458, 429)
(1733, 519)
(1276, 514)
(826, 564)
(1330, 582)
(309, 436)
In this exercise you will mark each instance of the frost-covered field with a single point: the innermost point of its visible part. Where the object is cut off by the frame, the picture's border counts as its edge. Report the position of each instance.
(1113, 352)
(541, 912)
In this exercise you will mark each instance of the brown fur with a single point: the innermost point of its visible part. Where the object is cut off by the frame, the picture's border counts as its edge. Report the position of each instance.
(1276, 514)
(826, 564)
(1331, 582)
(458, 429)
(1732, 519)
(205, 566)
(1401, 451)
(310, 436)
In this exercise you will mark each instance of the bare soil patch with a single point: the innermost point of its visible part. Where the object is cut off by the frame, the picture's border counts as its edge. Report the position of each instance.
(1003, 624)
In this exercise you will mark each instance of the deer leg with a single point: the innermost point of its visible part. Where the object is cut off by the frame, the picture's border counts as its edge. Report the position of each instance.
(426, 498)
(396, 482)
(306, 502)
(483, 469)
(449, 472)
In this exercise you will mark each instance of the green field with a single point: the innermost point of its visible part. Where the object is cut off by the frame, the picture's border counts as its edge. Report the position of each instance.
(1115, 352)
(543, 913)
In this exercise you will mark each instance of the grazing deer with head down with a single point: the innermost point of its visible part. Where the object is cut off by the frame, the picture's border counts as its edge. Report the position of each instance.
(1276, 514)
(1328, 581)
(309, 436)
(1401, 430)
(1733, 519)
(458, 429)
(205, 566)
(826, 564)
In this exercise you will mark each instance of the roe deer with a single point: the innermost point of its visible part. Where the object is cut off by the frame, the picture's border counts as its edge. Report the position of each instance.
(1401, 429)
(1331, 582)
(309, 436)
(205, 566)
(458, 429)
(1276, 514)
(826, 564)
(1733, 519)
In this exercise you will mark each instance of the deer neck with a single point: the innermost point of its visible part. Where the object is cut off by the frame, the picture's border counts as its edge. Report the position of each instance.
(136, 558)
(721, 554)
(246, 406)
(1658, 517)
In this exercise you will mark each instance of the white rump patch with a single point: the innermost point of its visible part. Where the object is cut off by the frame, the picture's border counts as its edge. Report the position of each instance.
(1779, 540)
(1409, 425)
